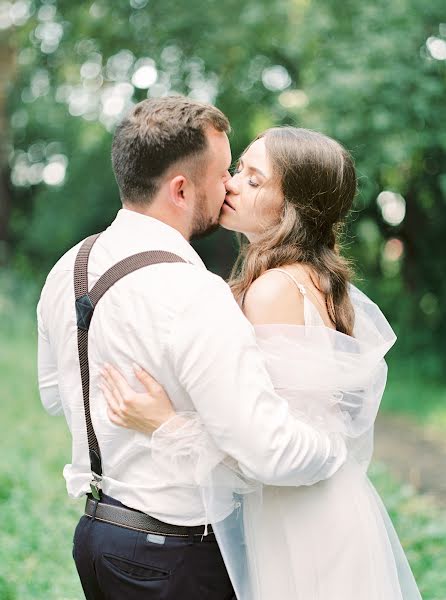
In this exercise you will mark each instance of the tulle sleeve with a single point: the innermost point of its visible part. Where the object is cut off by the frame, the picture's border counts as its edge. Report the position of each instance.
(188, 454)
(335, 380)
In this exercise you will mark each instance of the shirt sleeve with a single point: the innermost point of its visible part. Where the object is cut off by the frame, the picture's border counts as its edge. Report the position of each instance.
(47, 369)
(218, 362)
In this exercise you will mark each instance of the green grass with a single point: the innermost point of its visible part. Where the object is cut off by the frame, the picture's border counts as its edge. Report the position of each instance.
(38, 518)
(421, 527)
(413, 390)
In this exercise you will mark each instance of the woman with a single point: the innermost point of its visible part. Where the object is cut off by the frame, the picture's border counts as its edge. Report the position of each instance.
(324, 343)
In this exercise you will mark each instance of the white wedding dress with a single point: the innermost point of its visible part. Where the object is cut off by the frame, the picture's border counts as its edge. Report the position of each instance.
(331, 540)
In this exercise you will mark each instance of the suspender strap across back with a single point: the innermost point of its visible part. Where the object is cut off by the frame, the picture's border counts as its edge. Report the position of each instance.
(86, 302)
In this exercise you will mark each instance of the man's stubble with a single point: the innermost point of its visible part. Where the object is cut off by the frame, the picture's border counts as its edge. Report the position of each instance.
(203, 224)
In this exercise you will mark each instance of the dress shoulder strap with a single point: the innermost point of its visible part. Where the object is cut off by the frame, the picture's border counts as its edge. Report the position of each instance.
(311, 314)
(302, 289)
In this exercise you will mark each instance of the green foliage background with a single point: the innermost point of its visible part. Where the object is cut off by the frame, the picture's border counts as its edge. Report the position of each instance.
(359, 71)
(371, 74)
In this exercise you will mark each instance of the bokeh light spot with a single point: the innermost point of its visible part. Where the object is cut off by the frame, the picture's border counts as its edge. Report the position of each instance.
(54, 172)
(437, 48)
(145, 76)
(276, 78)
(394, 249)
(393, 207)
(293, 99)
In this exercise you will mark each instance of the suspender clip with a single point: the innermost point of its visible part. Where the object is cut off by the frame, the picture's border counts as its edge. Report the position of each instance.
(95, 486)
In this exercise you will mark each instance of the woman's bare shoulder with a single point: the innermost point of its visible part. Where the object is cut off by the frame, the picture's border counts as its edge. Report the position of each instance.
(274, 298)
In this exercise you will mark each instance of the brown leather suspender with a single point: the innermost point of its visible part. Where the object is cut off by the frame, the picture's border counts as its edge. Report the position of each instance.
(86, 301)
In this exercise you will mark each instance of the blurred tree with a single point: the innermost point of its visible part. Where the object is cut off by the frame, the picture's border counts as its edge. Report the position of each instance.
(7, 68)
(376, 80)
(369, 74)
(82, 65)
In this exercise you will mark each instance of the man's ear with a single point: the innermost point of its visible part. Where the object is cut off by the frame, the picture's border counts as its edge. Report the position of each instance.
(177, 191)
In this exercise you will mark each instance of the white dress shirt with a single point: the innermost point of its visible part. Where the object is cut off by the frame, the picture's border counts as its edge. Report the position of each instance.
(181, 323)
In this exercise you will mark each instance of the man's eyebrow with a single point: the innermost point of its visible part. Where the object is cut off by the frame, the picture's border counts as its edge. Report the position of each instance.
(250, 168)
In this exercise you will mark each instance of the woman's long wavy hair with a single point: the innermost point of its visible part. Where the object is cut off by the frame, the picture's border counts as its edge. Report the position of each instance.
(317, 178)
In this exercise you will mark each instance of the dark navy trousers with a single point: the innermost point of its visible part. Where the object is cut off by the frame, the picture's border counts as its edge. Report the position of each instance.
(115, 563)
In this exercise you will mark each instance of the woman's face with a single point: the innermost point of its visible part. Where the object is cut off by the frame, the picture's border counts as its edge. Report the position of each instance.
(253, 201)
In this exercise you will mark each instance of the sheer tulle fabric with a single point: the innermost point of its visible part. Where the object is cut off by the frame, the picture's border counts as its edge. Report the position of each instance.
(324, 540)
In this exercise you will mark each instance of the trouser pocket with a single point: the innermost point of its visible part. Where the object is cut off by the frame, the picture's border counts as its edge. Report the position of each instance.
(135, 570)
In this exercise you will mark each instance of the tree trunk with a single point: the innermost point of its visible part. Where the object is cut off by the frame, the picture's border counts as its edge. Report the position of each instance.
(7, 69)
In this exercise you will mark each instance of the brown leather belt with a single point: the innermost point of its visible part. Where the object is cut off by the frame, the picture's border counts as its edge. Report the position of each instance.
(133, 519)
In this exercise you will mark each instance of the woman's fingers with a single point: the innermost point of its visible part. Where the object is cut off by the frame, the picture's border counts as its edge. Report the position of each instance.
(110, 397)
(114, 418)
(114, 395)
(114, 377)
(113, 410)
(115, 380)
(106, 383)
(147, 380)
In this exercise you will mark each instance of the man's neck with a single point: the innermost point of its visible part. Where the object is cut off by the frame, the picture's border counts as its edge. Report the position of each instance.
(161, 215)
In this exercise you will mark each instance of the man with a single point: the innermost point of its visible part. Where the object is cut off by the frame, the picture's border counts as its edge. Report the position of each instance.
(180, 323)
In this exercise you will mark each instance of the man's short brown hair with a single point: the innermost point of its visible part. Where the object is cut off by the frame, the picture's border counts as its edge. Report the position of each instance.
(158, 133)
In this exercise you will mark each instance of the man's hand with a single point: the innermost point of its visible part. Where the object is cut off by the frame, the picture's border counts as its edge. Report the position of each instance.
(145, 411)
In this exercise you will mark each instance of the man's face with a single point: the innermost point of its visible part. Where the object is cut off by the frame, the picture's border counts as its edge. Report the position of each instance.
(211, 185)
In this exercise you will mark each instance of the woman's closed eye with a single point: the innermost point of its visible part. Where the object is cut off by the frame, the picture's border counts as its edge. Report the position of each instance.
(251, 181)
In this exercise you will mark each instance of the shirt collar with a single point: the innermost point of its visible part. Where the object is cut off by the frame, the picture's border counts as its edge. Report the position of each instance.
(150, 228)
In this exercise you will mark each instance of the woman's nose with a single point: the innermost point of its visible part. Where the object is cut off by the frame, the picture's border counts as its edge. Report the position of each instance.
(231, 186)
